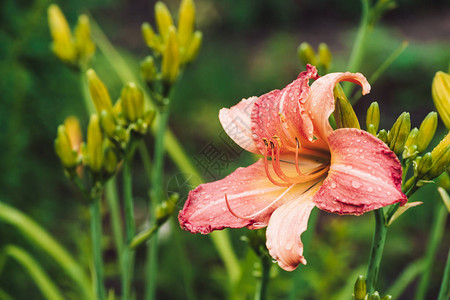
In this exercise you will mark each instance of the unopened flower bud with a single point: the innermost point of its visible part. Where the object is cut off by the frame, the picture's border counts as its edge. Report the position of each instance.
(110, 161)
(399, 133)
(163, 19)
(94, 144)
(83, 40)
(117, 108)
(343, 113)
(371, 130)
(440, 90)
(132, 102)
(193, 47)
(423, 165)
(410, 147)
(186, 20)
(149, 116)
(374, 296)
(373, 115)
(148, 69)
(166, 208)
(64, 149)
(325, 56)
(171, 58)
(73, 130)
(360, 289)
(99, 93)
(108, 123)
(63, 45)
(383, 135)
(426, 131)
(306, 54)
(387, 297)
(441, 158)
(150, 37)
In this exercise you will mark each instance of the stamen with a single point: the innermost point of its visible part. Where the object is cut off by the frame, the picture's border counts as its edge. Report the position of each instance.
(266, 168)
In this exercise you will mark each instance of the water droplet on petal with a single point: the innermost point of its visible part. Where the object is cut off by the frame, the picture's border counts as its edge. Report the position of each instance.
(370, 189)
(333, 185)
(356, 184)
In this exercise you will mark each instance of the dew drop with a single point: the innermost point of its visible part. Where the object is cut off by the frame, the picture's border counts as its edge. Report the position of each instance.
(356, 184)
(333, 185)
(370, 189)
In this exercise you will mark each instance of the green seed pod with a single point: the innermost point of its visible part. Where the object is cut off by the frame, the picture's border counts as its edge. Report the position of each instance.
(306, 54)
(399, 133)
(360, 288)
(373, 116)
(426, 131)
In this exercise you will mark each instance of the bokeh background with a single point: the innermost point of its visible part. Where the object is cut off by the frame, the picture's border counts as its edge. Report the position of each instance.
(249, 48)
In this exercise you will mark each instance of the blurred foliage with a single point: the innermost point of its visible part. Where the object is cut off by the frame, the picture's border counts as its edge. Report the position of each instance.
(249, 49)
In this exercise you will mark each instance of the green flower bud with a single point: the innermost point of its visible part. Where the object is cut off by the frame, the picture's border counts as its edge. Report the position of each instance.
(117, 108)
(360, 289)
(150, 37)
(99, 93)
(63, 148)
(410, 147)
(83, 40)
(110, 161)
(373, 116)
(148, 69)
(132, 102)
(374, 296)
(193, 48)
(186, 20)
(108, 123)
(440, 90)
(383, 135)
(343, 113)
(171, 58)
(426, 131)
(63, 44)
(399, 133)
(325, 56)
(423, 165)
(371, 129)
(73, 130)
(441, 161)
(94, 144)
(163, 19)
(149, 116)
(306, 54)
(166, 208)
(387, 297)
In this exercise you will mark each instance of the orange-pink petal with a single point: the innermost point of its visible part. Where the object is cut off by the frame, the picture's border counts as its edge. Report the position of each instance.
(320, 103)
(364, 174)
(286, 225)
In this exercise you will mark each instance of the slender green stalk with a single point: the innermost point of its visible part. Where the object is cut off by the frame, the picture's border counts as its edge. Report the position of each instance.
(379, 238)
(261, 288)
(436, 234)
(96, 234)
(40, 238)
(127, 253)
(157, 198)
(116, 221)
(405, 279)
(143, 236)
(378, 72)
(356, 55)
(444, 291)
(48, 289)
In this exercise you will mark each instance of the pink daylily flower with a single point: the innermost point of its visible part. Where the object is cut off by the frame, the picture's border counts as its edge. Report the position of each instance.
(306, 163)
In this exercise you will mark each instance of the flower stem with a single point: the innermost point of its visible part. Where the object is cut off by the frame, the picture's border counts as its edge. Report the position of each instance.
(379, 237)
(96, 233)
(444, 291)
(261, 288)
(436, 234)
(127, 253)
(156, 198)
(116, 222)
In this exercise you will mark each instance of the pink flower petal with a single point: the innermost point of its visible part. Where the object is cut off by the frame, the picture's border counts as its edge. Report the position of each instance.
(364, 174)
(251, 197)
(237, 123)
(286, 225)
(320, 103)
(280, 115)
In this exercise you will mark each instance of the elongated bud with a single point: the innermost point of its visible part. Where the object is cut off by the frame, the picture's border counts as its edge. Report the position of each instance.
(186, 20)
(374, 296)
(132, 102)
(360, 289)
(149, 116)
(117, 108)
(325, 56)
(441, 157)
(306, 54)
(64, 149)
(440, 90)
(171, 58)
(63, 44)
(343, 113)
(387, 297)
(148, 69)
(410, 147)
(110, 161)
(426, 131)
(150, 37)
(83, 40)
(73, 130)
(383, 135)
(108, 123)
(94, 144)
(373, 116)
(193, 48)
(99, 93)
(163, 19)
(424, 164)
(399, 133)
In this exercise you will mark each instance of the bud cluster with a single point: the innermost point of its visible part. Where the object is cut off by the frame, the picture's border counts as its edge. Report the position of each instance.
(360, 291)
(322, 59)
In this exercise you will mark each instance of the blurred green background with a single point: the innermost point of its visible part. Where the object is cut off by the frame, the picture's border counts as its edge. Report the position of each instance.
(249, 49)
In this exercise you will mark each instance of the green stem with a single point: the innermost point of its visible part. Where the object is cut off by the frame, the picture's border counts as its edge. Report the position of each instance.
(96, 234)
(436, 234)
(156, 198)
(379, 238)
(261, 289)
(405, 279)
(143, 236)
(444, 292)
(130, 230)
(388, 62)
(116, 221)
